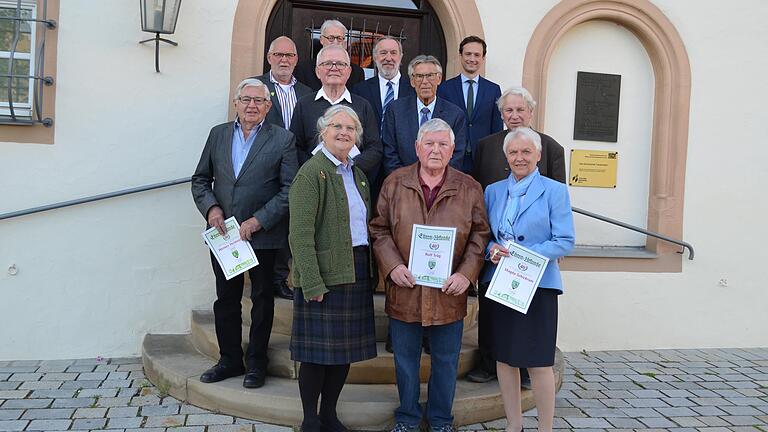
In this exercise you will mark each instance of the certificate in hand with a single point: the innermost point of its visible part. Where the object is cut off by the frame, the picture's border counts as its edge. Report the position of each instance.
(516, 278)
(235, 256)
(431, 257)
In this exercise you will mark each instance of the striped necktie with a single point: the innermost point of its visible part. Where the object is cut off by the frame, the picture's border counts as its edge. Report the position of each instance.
(424, 116)
(388, 98)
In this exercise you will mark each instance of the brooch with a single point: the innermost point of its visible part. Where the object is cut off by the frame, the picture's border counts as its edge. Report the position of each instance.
(362, 184)
(322, 175)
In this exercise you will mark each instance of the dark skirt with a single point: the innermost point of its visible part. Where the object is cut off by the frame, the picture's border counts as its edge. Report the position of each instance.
(526, 340)
(341, 328)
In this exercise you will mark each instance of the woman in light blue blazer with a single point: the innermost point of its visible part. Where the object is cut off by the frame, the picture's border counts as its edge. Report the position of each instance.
(535, 212)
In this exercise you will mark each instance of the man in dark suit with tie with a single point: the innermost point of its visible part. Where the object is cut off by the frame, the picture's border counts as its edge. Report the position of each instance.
(516, 106)
(389, 84)
(245, 171)
(332, 32)
(284, 91)
(405, 115)
(476, 95)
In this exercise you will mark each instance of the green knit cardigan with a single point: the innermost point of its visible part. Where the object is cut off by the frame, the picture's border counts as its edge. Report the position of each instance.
(319, 233)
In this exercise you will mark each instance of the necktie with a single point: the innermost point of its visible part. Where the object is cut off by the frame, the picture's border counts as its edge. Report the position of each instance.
(388, 98)
(470, 98)
(424, 116)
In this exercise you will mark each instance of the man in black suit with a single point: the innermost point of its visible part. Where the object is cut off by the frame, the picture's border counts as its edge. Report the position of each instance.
(245, 171)
(516, 106)
(389, 84)
(284, 91)
(405, 115)
(333, 69)
(332, 32)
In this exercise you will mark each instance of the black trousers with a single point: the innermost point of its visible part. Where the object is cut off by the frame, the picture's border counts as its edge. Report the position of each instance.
(484, 329)
(227, 310)
(282, 267)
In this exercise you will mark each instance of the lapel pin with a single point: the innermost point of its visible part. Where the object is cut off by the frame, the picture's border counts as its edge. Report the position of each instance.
(322, 175)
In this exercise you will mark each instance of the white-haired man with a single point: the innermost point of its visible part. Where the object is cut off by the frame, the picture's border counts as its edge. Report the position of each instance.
(332, 32)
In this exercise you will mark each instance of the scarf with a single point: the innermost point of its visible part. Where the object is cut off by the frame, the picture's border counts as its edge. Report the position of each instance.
(515, 191)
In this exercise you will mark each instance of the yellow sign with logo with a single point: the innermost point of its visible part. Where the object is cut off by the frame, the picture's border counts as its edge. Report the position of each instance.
(593, 168)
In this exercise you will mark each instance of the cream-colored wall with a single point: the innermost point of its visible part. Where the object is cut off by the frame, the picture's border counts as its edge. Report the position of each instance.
(724, 196)
(93, 279)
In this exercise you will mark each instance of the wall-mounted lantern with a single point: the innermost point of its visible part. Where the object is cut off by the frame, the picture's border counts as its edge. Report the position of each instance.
(159, 17)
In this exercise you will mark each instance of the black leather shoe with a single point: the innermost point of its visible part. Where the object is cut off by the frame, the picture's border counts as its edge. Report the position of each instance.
(220, 372)
(480, 376)
(283, 291)
(254, 378)
(332, 424)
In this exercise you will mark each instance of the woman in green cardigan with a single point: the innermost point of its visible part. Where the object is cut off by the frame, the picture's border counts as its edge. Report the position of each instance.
(333, 322)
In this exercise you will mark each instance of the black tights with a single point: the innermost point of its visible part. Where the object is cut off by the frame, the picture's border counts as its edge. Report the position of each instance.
(324, 382)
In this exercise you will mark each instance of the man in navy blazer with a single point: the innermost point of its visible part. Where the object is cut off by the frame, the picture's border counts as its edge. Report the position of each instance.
(387, 54)
(482, 117)
(405, 115)
(245, 171)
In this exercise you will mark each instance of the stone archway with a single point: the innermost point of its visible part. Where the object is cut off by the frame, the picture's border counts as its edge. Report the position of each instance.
(458, 17)
(672, 73)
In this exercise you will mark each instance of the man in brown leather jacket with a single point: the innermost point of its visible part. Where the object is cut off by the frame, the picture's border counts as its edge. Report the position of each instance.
(428, 192)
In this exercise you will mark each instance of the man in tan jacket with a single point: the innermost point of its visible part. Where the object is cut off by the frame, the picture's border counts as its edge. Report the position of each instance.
(428, 192)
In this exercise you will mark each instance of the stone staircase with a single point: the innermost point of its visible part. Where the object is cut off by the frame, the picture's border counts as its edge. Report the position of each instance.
(174, 364)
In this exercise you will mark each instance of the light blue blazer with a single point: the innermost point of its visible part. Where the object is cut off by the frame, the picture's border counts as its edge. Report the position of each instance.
(544, 224)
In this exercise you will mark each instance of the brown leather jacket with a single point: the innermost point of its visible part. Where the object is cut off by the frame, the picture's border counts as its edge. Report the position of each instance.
(401, 204)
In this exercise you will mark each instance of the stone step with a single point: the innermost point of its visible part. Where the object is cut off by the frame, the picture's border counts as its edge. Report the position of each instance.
(173, 364)
(284, 315)
(379, 370)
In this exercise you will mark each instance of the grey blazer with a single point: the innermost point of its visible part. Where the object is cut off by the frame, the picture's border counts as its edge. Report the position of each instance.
(275, 114)
(261, 189)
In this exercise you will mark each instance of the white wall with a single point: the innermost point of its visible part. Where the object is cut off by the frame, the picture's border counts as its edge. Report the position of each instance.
(724, 195)
(93, 279)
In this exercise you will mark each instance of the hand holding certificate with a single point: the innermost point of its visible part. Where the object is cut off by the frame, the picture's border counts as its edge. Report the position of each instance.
(235, 256)
(431, 259)
(516, 278)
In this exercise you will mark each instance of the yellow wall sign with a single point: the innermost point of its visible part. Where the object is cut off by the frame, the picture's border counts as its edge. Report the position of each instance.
(593, 168)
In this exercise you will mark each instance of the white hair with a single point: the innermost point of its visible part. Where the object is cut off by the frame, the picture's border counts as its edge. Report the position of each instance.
(329, 48)
(272, 44)
(516, 91)
(435, 125)
(250, 82)
(421, 58)
(325, 120)
(525, 133)
(332, 23)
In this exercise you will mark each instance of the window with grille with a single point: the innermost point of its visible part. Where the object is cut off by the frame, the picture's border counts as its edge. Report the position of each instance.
(22, 45)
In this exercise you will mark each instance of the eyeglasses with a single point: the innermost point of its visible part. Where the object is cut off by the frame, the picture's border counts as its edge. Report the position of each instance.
(334, 38)
(328, 65)
(338, 127)
(429, 76)
(283, 55)
(248, 99)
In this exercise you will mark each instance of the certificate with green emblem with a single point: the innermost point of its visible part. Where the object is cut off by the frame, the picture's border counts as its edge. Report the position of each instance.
(516, 278)
(234, 256)
(431, 258)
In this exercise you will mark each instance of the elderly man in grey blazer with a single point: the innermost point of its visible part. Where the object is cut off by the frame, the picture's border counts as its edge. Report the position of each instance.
(245, 171)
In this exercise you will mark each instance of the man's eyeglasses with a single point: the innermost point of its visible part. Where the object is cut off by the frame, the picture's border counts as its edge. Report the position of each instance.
(429, 76)
(334, 38)
(248, 99)
(283, 55)
(328, 65)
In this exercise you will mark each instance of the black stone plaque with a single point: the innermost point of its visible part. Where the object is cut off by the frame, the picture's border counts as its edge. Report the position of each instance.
(597, 107)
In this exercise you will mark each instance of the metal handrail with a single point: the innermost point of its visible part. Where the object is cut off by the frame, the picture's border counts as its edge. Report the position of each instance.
(93, 198)
(681, 243)
(160, 185)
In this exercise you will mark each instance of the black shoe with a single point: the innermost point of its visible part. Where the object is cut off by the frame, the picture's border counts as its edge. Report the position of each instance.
(311, 426)
(480, 376)
(283, 291)
(332, 424)
(254, 378)
(220, 372)
(388, 344)
(525, 383)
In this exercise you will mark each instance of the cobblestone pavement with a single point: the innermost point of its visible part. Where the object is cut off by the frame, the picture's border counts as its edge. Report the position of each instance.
(673, 390)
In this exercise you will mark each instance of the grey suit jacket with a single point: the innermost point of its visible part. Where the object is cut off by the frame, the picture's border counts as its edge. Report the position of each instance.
(275, 114)
(261, 189)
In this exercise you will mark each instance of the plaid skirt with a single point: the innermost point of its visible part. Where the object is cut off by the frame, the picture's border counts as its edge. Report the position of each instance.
(340, 329)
